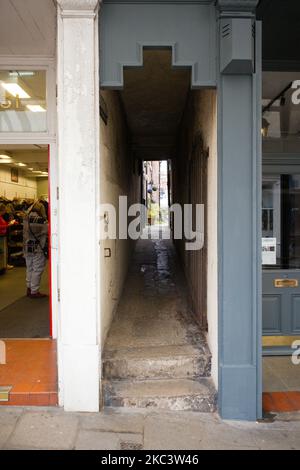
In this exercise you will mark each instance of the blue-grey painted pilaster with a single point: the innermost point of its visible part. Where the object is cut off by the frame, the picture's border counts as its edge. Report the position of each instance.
(239, 211)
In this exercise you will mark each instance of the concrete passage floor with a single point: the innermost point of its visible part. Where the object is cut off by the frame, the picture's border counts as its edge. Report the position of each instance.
(155, 354)
(153, 310)
(121, 429)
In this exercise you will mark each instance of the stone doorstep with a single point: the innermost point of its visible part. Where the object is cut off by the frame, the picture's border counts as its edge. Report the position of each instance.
(180, 366)
(170, 394)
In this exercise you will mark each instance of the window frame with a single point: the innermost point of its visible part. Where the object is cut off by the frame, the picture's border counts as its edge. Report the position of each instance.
(48, 65)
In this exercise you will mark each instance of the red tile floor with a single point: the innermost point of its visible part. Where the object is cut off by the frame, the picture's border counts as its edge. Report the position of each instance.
(281, 401)
(31, 370)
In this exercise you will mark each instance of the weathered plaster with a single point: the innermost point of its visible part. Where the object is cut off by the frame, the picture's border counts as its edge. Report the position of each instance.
(78, 157)
(201, 116)
(78, 5)
(118, 177)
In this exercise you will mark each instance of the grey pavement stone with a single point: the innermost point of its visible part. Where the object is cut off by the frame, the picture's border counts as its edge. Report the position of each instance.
(278, 440)
(180, 431)
(223, 436)
(289, 416)
(97, 440)
(153, 430)
(197, 431)
(114, 421)
(231, 442)
(44, 431)
(265, 426)
(8, 420)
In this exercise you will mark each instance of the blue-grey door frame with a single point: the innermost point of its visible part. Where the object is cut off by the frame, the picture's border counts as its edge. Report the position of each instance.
(124, 31)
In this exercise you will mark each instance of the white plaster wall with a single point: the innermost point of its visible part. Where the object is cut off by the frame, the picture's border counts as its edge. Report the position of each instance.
(117, 178)
(201, 115)
(25, 188)
(207, 119)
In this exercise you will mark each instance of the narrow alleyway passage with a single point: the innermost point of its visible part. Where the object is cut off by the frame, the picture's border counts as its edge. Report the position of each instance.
(155, 354)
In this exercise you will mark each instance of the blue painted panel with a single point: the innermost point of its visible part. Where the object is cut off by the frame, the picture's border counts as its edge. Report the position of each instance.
(188, 29)
(296, 313)
(272, 314)
(242, 383)
(287, 308)
(237, 213)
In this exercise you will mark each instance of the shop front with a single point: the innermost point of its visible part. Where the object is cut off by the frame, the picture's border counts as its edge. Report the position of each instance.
(87, 47)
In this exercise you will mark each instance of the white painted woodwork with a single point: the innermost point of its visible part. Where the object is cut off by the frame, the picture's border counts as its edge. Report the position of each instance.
(78, 162)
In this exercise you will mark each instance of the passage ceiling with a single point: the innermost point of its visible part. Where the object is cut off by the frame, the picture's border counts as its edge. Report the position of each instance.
(154, 97)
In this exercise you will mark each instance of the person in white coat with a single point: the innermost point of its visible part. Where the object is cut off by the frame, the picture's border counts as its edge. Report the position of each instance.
(35, 231)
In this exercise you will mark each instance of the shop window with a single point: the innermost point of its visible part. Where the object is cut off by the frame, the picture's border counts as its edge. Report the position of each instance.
(280, 114)
(23, 101)
(281, 221)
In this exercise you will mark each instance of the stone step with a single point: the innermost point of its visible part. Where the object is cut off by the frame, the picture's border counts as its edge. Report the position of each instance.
(165, 362)
(170, 394)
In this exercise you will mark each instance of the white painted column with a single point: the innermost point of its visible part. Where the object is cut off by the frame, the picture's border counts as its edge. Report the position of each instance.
(78, 157)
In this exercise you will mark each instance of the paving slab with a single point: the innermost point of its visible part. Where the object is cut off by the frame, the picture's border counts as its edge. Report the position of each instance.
(113, 421)
(278, 440)
(98, 440)
(8, 421)
(187, 431)
(44, 430)
(124, 429)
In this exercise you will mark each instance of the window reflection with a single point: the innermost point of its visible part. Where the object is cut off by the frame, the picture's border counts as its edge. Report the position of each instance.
(281, 218)
(23, 106)
(280, 125)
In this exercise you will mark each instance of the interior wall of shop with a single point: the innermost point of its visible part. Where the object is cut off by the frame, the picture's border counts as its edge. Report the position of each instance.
(118, 177)
(200, 116)
(24, 188)
(42, 187)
